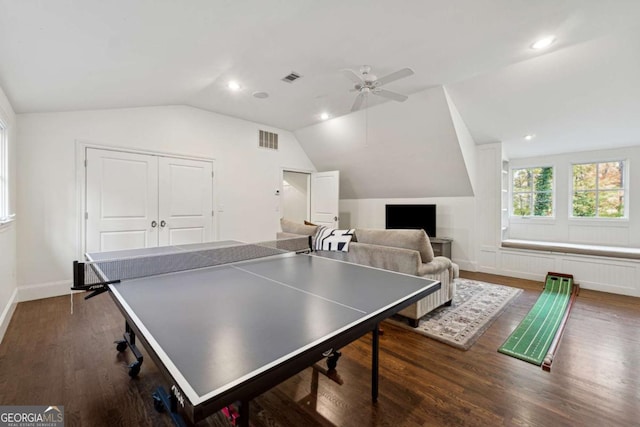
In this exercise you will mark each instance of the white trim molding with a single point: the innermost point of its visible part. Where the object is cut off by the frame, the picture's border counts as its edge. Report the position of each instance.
(7, 313)
(43, 290)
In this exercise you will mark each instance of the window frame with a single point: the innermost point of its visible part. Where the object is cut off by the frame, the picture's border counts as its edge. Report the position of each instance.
(625, 189)
(551, 217)
(6, 216)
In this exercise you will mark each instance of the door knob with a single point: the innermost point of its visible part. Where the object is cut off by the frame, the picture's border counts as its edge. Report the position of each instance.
(153, 224)
(162, 223)
(335, 218)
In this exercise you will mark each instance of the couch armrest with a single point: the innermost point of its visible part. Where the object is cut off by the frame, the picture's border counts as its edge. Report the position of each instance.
(436, 266)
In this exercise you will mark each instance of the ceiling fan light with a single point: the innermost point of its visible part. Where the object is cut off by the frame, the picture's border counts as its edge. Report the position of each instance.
(543, 43)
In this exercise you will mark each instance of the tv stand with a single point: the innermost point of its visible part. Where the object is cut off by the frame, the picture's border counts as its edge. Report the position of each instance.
(441, 246)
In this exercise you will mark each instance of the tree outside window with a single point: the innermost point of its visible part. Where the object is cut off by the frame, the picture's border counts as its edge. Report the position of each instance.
(532, 192)
(599, 190)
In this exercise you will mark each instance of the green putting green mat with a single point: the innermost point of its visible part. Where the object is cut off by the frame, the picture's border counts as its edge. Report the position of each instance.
(530, 341)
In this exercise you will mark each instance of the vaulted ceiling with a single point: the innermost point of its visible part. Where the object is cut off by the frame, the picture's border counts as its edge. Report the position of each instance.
(581, 93)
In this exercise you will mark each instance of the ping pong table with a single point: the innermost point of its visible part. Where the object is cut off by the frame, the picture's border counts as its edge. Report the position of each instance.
(224, 327)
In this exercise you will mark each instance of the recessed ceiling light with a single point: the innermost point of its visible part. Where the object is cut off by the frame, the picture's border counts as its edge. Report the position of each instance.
(543, 43)
(233, 85)
(529, 137)
(260, 95)
(324, 116)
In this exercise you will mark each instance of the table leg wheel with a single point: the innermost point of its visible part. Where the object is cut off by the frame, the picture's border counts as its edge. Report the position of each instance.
(134, 369)
(157, 403)
(121, 346)
(332, 361)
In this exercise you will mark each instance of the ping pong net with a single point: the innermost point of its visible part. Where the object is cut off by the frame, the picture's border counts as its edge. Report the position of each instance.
(97, 275)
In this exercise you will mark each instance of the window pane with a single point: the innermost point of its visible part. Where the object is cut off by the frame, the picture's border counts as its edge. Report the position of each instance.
(532, 192)
(610, 175)
(611, 204)
(543, 179)
(584, 176)
(543, 204)
(522, 204)
(521, 180)
(584, 203)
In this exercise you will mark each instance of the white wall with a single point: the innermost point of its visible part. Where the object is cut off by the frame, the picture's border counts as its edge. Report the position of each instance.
(8, 294)
(465, 140)
(395, 149)
(455, 219)
(246, 177)
(448, 159)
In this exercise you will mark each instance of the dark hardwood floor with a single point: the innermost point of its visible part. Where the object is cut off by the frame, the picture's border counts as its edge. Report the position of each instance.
(49, 357)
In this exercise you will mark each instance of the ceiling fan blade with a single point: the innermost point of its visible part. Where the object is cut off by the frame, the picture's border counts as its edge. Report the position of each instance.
(352, 75)
(405, 72)
(391, 95)
(358, 102)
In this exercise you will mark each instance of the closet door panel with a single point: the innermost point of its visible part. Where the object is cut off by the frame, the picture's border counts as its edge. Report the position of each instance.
(185, 201)
(121, 200)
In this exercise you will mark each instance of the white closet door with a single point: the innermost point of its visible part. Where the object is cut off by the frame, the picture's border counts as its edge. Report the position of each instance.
(325, 198)
(121, 200)
(185, 201)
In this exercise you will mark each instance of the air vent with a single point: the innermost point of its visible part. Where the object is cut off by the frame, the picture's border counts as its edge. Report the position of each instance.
(268, 140)
(291, 77)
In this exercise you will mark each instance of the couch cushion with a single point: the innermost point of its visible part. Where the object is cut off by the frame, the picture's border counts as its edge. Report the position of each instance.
(389, 258)
(295, 228)
(416, 240)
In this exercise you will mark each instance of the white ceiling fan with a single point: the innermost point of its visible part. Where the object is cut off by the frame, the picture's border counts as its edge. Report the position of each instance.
(366, 83)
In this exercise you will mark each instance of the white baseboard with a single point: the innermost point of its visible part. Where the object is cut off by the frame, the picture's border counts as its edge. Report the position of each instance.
(7, 313)
(466, 265)
(518, 274)
(43, 290)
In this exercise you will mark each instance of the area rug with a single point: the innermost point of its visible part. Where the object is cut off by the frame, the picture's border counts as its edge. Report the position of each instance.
(476, 305)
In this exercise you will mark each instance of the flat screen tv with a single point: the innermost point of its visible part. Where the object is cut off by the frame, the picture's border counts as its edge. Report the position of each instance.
(411, 216)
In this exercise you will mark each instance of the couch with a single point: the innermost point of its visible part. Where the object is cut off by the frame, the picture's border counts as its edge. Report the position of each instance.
(404, 251)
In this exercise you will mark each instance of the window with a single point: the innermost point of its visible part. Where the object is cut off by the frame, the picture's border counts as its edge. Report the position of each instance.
(532, 192)
(599, 190)
(4, 175)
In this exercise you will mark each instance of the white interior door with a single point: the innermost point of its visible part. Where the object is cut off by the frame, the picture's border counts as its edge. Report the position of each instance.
(185, 201)
(325, 197)
(121, 200)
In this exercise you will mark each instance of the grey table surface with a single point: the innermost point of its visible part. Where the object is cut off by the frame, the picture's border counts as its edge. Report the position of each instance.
(215, 327)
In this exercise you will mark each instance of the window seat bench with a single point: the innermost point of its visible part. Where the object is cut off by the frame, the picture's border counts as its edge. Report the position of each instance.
(573, 248)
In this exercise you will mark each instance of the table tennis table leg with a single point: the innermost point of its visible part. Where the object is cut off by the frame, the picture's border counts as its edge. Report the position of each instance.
(130, 341)
(163, 401)
(244, 413)
(375, 345)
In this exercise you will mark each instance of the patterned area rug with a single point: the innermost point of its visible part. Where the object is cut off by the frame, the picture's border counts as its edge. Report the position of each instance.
(475, 307)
